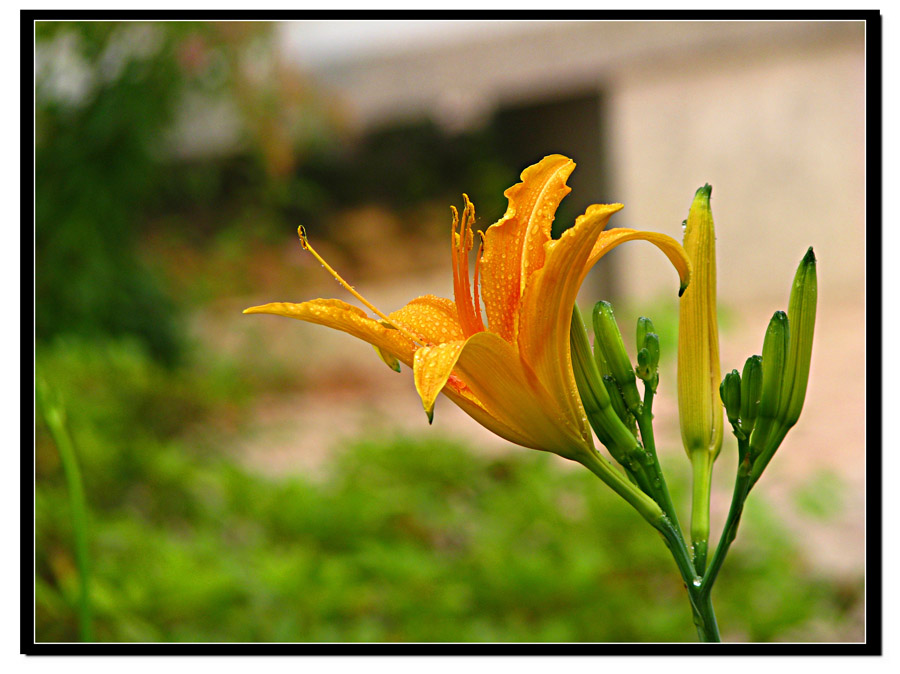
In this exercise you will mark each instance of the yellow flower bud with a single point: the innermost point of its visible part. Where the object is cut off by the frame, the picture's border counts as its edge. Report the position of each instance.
(699, 408)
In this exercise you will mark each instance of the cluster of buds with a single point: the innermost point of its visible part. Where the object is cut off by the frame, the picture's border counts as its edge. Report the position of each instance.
(648, 353)
(607, 382)
(765, 402)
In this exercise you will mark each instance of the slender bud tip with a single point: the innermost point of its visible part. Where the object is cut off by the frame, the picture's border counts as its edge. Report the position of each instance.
(704, 192)
(430, 414)
(810, 257)
(681, 290)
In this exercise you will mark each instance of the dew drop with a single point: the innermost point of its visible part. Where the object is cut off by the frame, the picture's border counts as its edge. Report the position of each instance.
(697, 582)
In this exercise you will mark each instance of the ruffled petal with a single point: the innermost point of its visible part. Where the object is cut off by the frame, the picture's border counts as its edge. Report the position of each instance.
(346, 318)
(546, 311)
(514, 245)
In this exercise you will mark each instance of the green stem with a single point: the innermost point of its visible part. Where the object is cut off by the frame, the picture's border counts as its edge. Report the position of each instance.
(659, 488)
(603, 469)
(776, 437)
(701, 603)
(704, 616)
(701, 461)
(54, 416)
(742, 485)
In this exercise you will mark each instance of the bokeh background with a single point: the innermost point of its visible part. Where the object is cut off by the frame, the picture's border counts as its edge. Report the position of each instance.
(251, 478)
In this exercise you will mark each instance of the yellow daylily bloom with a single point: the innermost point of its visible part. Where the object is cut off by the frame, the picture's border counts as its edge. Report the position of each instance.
(513, 374)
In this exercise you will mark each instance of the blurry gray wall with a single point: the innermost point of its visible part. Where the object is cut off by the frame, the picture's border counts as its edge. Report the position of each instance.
(770, 113)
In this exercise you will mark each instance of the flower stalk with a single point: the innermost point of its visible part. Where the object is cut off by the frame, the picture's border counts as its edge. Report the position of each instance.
(699, 409)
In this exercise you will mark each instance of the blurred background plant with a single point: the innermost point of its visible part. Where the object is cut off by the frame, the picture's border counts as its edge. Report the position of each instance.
(174, 162)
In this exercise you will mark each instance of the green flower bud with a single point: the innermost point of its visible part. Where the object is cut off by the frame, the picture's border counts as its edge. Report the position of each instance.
(594, 396)
(643, 369)
(730, 392)
(651, 343)
(648, 358)
(644, 326)
(608, 340)
(751, 387)
(775, 350)
(618, 403)
(609, 428)
(802, 316)
(795, 350)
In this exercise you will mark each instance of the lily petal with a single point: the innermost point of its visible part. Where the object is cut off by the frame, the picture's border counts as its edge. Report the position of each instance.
(672, 249)
(346, 318)
(547, 308)
(511, 392)
(432, 318)
(466, 400)
(514, 245)
(432, 366)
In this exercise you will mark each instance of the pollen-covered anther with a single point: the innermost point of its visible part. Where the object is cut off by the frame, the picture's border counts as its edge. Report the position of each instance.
(304, 242)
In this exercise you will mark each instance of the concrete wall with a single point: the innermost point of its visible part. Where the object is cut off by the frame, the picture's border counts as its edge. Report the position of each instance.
(770, 113)
(779, 134)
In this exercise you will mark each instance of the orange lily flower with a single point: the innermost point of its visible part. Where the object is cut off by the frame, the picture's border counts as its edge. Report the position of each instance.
(514, 375)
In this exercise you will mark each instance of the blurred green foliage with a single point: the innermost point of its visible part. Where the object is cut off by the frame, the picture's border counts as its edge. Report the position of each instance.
(402, 539)
(111, 166)
(100, 125)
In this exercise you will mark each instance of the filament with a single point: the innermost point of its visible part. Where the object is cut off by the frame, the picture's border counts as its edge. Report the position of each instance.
(304, 243)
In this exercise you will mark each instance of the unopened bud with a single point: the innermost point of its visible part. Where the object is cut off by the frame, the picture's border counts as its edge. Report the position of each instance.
(644, 326)
(608, 339)
(802, 316)
(794, 347)
(774, 355)
(651, 343)
(699, 411)
(648, 358)
(775, 349)
(618, 403)
(751, 386)
(595, 398)
(730, 392)
(643, 369)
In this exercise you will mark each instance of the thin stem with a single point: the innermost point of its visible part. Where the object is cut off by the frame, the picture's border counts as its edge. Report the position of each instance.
(54, 415)
(646, 506)
(701, 603)
(701, 461)
(658, 484)
(742, 484)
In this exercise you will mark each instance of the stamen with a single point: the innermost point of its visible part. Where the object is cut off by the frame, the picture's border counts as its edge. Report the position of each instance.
(475, 292)
(304, 243)
(462, 241)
